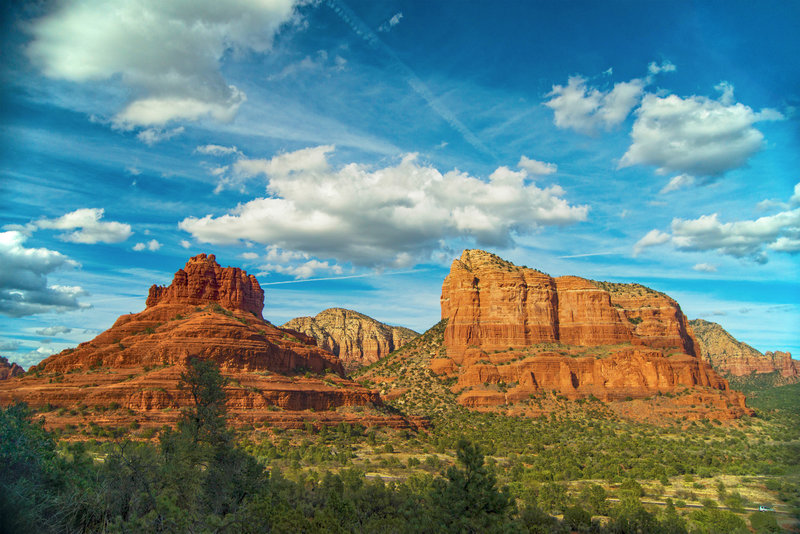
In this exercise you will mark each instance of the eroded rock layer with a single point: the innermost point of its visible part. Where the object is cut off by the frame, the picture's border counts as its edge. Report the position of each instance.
(513, 333)
(728, 355)
(9, 370)
(355, 338)
(208, 312)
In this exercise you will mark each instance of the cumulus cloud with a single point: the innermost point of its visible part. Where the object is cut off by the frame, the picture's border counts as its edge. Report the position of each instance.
(651, 239)
(705, 268)
(537, 168)
(386, 216)
(23, 279)
(741, 239)
(678, 182)
(185, 243)
(167, 53)
(305, 269)
(54, 330)
(87, 226)
(588, 109)
(393, 21)
(151, 245)
(696, 136)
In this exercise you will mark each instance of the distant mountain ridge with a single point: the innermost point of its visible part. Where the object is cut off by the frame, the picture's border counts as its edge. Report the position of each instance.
(731, 356)
(356, 338)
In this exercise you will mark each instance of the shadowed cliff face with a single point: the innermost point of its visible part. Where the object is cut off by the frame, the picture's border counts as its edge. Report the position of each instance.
(9, 370)
(728, 355)
(208, 312)
(514, 332)
(357, 339)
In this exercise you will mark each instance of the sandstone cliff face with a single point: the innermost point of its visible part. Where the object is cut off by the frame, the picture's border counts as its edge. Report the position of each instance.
(208, 312)
(513, 333)
(355, 338)
(202, 281)
(492, 305)
(728, 355)
(9, 370)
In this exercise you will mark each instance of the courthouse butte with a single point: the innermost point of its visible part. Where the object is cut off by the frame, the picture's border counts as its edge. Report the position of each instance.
(513, 337)
(132, 370)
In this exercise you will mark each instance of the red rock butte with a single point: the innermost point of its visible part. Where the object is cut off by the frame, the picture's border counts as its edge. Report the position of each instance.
(208, 312)
(202, 281)
(511, 325)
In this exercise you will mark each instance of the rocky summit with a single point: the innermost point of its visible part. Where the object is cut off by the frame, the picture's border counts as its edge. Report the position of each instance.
(513, 333)
(9, 370)
(208, 312)
(355, 338)
(730, 356)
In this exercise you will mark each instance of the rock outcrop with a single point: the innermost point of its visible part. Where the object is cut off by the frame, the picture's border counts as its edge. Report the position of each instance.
(202, 281)
(728, 355)
(514, 332)
(9, 370)
(208, 312)
(492, 305)
(355, 338)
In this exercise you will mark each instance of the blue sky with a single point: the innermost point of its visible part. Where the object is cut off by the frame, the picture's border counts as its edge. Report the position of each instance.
(346, 152)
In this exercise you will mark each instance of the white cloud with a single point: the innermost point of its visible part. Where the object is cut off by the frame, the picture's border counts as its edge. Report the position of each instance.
(678, 182)
(304, 270)
(249, 255)
(651, 239)
(54, 330)
(152, 136)
(217, 150)
(738, 239)
(697, 136)
(654, 68)
(23, 278)
(89, 229)
(587, 109)
(391, 23)
(167, 53)
(537, 168)
(313, 159)
(705, 268)
(151, 245)
(387, 216)
(185, 243)
(741, 239)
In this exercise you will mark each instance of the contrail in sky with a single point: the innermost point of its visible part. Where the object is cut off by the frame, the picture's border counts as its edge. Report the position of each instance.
(366, 275)
(365, 32)
(589, 254)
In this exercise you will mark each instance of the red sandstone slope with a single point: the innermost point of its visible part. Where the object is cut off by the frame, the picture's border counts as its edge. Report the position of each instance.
(207, 312)
(514, 332)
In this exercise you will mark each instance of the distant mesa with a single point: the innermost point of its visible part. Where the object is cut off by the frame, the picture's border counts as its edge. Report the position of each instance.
(208, 312)
(512, 337)
(9, 369)
(732, 357)
(357, 339)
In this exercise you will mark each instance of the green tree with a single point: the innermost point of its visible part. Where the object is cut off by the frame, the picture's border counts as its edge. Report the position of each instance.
(469, 499)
